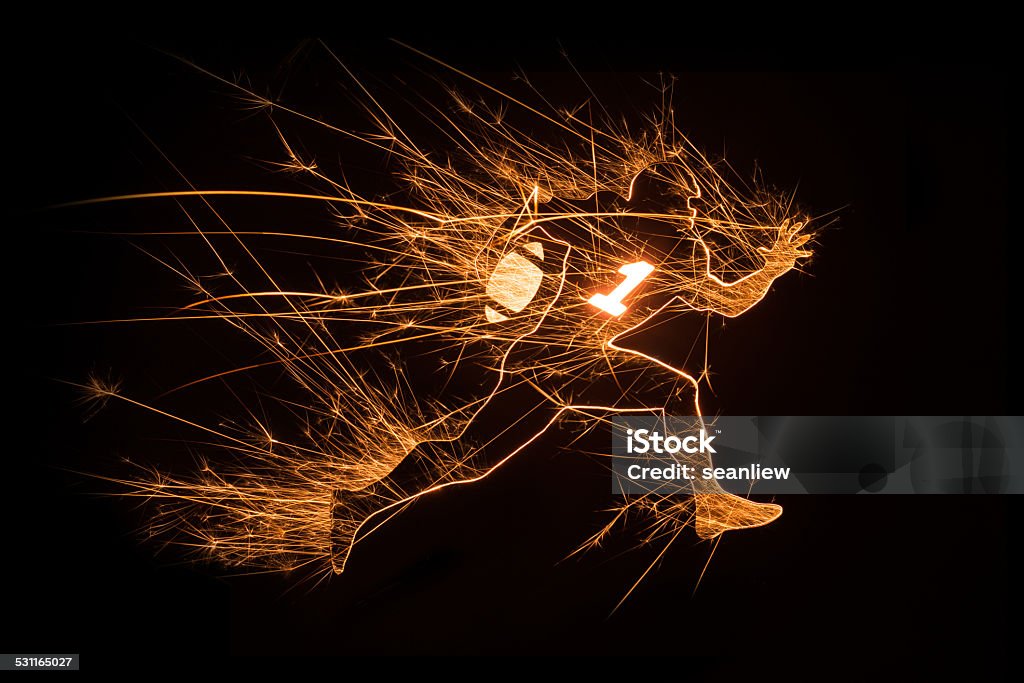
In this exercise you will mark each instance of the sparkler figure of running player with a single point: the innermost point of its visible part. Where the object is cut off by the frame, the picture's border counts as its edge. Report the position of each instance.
(571, 280)
(536, 260)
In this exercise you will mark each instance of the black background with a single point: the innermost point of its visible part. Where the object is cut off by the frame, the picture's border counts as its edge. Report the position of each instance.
(904, 310)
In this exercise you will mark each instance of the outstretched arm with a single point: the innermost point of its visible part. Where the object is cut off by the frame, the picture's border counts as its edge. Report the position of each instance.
(732, 298)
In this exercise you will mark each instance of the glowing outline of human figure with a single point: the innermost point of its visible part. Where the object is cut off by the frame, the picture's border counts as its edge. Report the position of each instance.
(715, 510)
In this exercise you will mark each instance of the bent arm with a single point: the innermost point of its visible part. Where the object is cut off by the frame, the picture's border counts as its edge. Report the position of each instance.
(732, 298)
